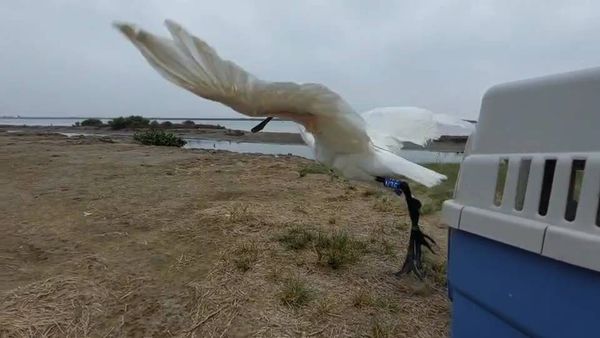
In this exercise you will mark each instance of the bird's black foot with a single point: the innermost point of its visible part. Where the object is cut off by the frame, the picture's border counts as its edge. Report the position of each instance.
(414, 257)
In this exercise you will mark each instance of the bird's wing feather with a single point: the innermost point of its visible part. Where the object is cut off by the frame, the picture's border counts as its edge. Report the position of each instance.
(191, 63)
(390, 127)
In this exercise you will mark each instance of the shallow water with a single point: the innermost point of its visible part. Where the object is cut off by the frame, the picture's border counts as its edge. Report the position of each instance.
(82, 134)
(249, 147)
(417, 156)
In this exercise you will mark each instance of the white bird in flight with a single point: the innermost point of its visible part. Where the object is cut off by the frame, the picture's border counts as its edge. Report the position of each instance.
(360, 146)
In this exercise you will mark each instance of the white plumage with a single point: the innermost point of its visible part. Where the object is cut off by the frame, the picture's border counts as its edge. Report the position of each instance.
(360, 146)
(391, 127)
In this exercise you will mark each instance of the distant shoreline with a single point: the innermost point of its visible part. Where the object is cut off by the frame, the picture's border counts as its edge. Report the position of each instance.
(445, 144)
(149, 118)
(158, 118)
(206, 133)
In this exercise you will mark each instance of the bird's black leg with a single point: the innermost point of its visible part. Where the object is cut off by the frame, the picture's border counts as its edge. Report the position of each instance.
(413, 261)
(261, 125)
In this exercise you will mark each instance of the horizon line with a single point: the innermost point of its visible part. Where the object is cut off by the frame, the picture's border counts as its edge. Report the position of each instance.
(162, 118)
(149, 118)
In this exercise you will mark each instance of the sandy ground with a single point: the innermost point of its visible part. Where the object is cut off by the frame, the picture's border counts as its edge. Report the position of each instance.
(118, 239)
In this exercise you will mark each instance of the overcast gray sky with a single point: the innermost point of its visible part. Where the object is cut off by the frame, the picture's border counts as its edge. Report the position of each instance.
(63, 58)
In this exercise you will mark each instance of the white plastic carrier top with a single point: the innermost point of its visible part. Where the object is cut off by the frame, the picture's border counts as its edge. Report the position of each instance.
(531, 173)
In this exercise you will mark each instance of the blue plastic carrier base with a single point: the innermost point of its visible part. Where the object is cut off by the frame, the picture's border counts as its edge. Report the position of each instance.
(498, 290)
(524, 244)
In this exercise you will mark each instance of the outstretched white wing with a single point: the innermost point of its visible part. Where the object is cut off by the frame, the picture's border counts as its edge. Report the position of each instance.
(390, 127)
(192, 64)
(340, 135)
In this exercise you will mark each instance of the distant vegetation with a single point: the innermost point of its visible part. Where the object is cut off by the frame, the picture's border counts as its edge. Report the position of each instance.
(130, 122)
(158, 138)
(140, 122)
(432, 198)
(92, 123)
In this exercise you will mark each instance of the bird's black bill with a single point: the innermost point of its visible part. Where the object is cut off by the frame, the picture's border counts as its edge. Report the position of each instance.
(261, 125)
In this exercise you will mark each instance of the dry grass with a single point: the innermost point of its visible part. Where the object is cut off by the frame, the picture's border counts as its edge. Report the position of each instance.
(57, 306)
(314, 169)
(382, 329)
(387, 248)
(338, 248)
(190, 255)
(297, 238)
(239, 212)
(325, 307)
(386, 204)
(435, 269)
(295, 292)
(245, 255)
(362, 298)
(372, 192)
(334, 249)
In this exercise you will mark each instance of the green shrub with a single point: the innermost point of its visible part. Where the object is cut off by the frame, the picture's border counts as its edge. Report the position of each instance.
(154, 124)
(338, 249)
(92, 123)
(295, 293)
(188, 123)
(133, 121)
(313, 168)
(159, 138)
(296, 238)
(166, 124)
(118, 123)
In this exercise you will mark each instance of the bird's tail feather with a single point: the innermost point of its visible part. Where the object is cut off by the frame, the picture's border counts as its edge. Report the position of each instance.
(388, 164)
(307, 137)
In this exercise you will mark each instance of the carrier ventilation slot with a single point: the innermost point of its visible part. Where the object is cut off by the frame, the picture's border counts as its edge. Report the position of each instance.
(522, 183)
(547, 180)
(577, 169)
(500, 181)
